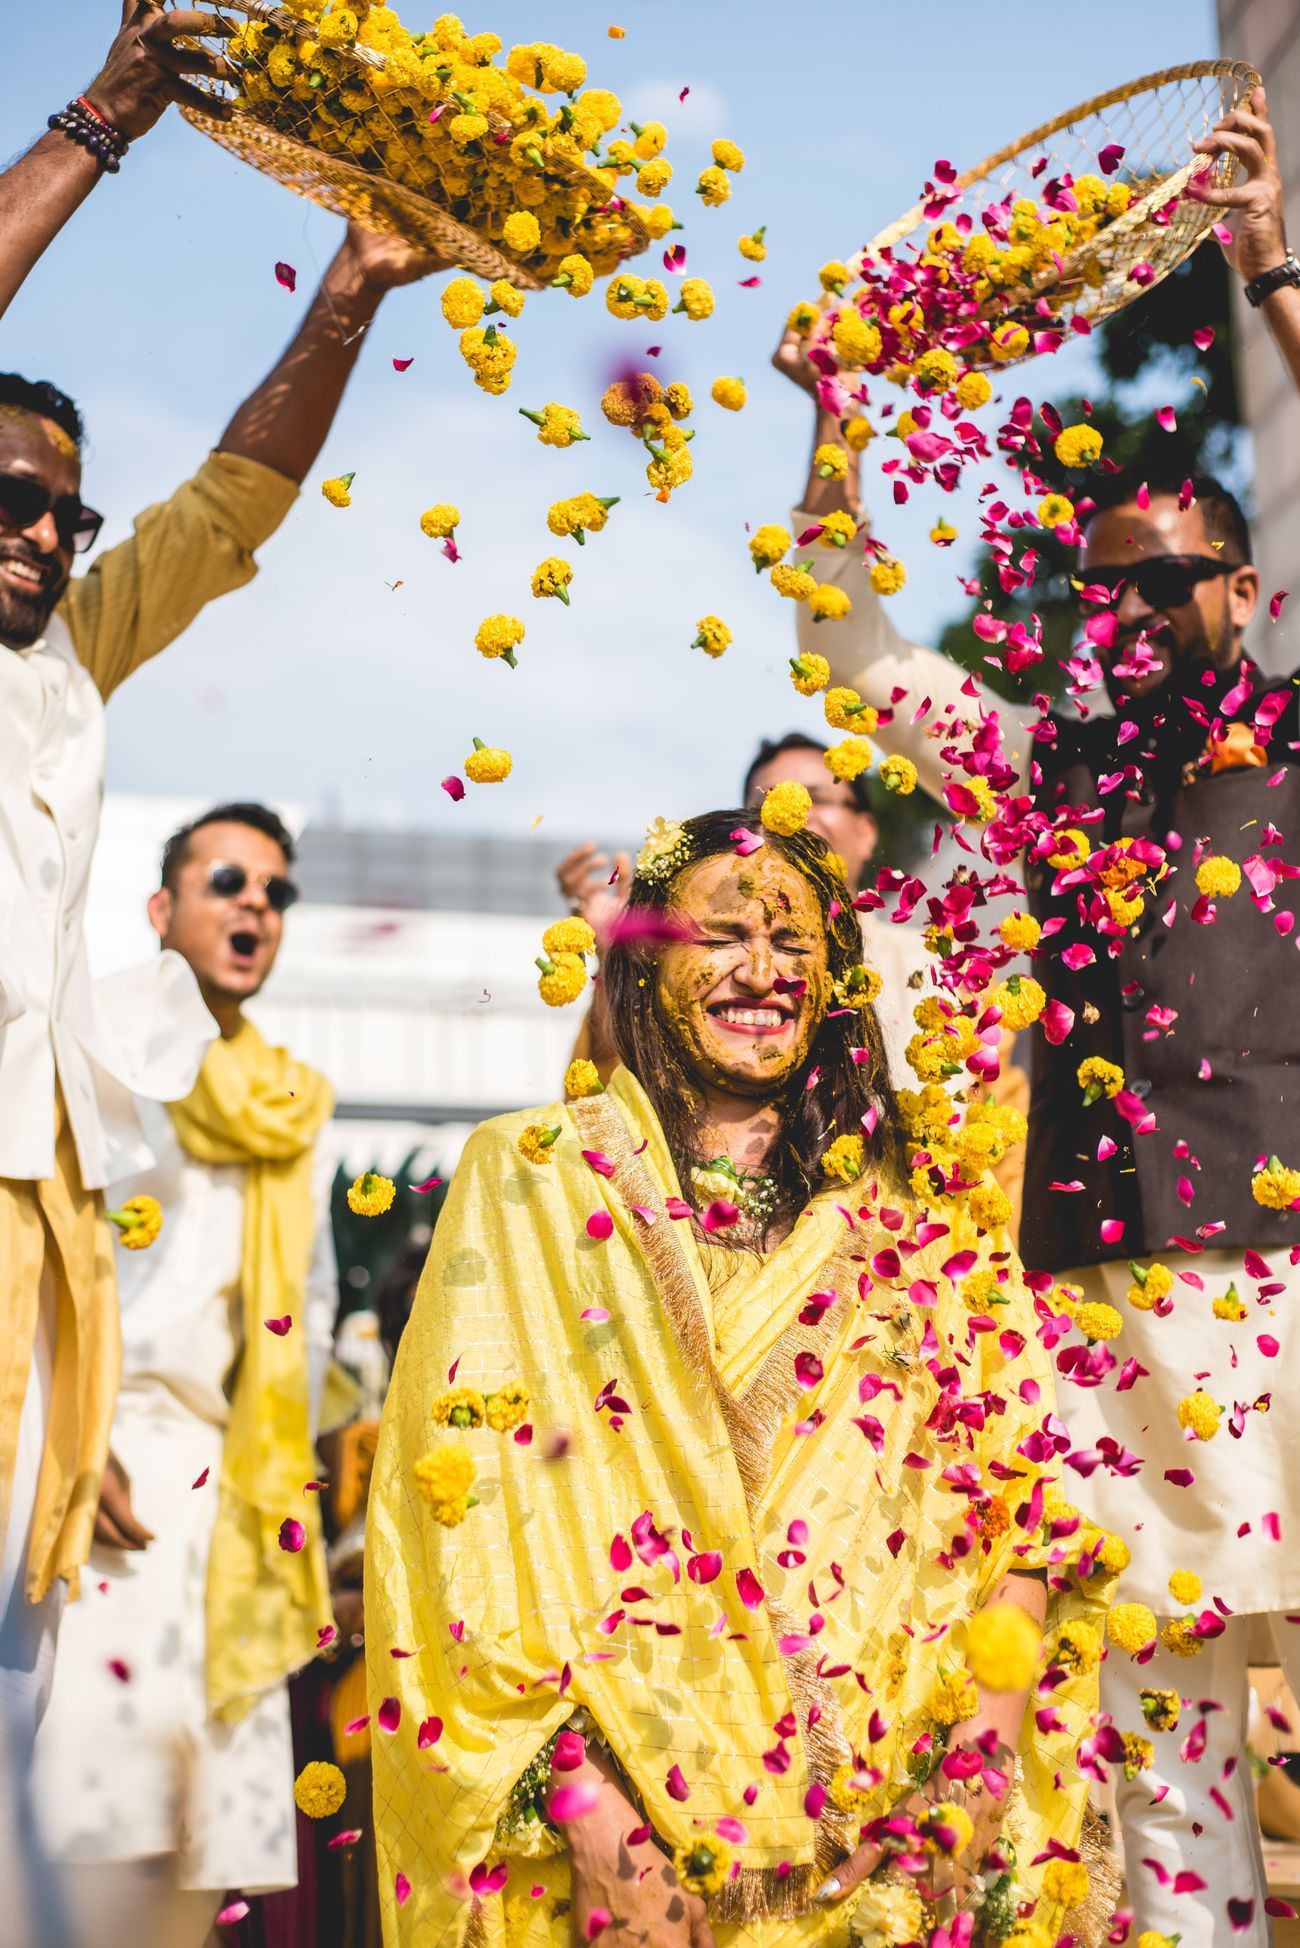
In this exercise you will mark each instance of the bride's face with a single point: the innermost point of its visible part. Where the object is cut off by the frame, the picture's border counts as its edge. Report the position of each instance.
(747, 992)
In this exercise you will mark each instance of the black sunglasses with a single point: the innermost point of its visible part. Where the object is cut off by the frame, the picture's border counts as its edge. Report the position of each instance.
(228, 882)
(1162, 581)
(24, 502)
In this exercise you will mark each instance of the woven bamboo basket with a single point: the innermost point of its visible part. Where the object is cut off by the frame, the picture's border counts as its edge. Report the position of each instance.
(361, 191)
(1155, 119)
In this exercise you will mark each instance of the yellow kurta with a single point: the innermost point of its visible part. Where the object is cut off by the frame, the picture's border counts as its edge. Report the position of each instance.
(743, 1419)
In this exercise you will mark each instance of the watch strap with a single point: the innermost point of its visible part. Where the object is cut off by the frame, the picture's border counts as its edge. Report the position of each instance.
(1287, 272)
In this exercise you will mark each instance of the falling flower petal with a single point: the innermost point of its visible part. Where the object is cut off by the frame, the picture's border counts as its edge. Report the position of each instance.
(600, 1225)
(1275, 603)
(401, 1889)
(749, 1589)
(403, 364)
(454, 788)
(202, 1478)
(286, 275)
(389, 1714)
(292, 1535)
(279, 1326)
(231, 1914)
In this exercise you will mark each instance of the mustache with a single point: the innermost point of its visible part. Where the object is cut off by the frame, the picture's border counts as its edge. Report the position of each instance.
(48, 570)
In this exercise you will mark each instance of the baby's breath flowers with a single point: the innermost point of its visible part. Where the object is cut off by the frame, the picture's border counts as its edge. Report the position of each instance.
(786, 808)
(768, 544)
(696, 299)
(730, 394)
(498, 637)
(488, 764)
(898, 774)
(138, 1222)
(703, 1866)
(712, 635)
(1097, 1078)
(1078, 446)
(440, 522)
(809, 673)
(1199, 1416)
(338, 491)
(557, 426)
(887, 575)
(552, 577)
(1275, 1187)
(370, 1195)
(462, 303)
(1218, 878)
(444, 1477)
(319, 1790)
(1130, 1626)
(537, 1143)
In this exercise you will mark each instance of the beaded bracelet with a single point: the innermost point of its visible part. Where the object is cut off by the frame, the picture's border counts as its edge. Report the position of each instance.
(84, 125)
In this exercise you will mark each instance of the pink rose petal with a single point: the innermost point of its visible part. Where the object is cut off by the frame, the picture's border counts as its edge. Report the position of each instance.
(403, 364)
(202, 1478)
(1275, 603)
(600, 1225)
(401, 1889)
(749, 1589)
(292, 1535)
(573, 1802)
(454, 788)
(237, 1909)
(389, 1714)
(279, 1326)
(286, 275)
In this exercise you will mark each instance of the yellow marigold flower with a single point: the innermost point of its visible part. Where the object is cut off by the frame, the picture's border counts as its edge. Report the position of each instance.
(659, 220)
(703, 1866)
(786, 808)
(851, 1790)
(753, 247)
(370, 1195)
(507, 1408)
(1002, 1648)
(1066, 1881)
(861, 986)
(1218, 878)
(728, 156)
(985, 800)
(943, 534)
(562, 979)
(828, 603)
(1021, 1000)
(677, 398)
(571, 936)
(712, 636)
(627, 401)
(989, 1207)
(887, 1914)
(730, 394)
(848, 759)
(1020, 932)
(799, 586)
(574, 275)
(1097, 1078)
(899, 775)
(809, 673)
(1007, 343)
(499, 635)
(488, 764)
(1199, 1415)
(440, 520)
(1078, 1647)
(651, 139)
(936, 370)
(887, 575)
(1073, 847)
(1185, 1587)
(831, 461)
(557, 426)
(944, 1827)
(552, 577)
(138, 1222)
(1276, 1187)
(537, 1143)
(858, 432)
(505, 298)
(980, 1290)
(846, 711)
(802, 319)
(336, 491)
(767, 545)
(444, 1477)
(319, 1790)
(458, 1407)
(1229, 1307)
(956, 1698)
(834, 276)
(856, 341)
(653, 178)
(582, 1078)
(581, 515)
(1055, 511)
(464, 129)
(1114, 1555)
(1151, 1937)
(462, 303)
(837, 530)
(1179, 1636)
(713, 188)
(1151, 1283)
(338, 28)
(973, 390)
(1078, 446)
(1098, 1322)
(1161, 1709)
(1129, 1626)
(696, 299)
(843, 1160)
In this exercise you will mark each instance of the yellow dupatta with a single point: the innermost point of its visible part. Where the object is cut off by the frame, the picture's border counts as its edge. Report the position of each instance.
(254, 1105)
(713, 1676)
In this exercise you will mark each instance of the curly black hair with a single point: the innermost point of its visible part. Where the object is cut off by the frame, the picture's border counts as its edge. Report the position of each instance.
(46, 401)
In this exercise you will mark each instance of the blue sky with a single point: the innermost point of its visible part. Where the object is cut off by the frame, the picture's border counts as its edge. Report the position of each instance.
(158, 308)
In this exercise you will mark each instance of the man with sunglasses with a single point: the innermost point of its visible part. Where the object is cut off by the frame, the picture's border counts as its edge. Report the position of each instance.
(227, 1328)
(1193, 998)
(66, 644)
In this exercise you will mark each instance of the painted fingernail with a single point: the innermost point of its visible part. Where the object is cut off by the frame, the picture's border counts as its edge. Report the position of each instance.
(829, 1890)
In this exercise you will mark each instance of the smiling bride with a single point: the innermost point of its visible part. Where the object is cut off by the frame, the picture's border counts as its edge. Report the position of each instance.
(716, 1545)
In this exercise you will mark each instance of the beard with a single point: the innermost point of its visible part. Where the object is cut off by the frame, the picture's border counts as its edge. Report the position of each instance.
(24, 615)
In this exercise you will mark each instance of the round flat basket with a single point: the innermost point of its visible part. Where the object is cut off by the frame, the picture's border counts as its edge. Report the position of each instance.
(1140, 136)
(280, 134)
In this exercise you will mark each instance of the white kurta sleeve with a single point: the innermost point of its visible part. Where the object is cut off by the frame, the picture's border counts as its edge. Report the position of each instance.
(867, 652)
(322, 1293)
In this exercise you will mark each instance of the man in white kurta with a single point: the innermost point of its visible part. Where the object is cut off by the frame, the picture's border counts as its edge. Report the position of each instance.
(132, 1764)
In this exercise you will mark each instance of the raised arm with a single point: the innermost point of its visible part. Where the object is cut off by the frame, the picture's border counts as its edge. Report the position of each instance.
(146, 69)
(865, 649)
(1259, 245)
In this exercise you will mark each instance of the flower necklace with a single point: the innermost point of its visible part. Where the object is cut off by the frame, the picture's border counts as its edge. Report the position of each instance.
(755, 1193)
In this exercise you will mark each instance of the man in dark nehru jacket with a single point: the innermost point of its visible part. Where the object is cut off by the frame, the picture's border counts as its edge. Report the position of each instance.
(1161, 855)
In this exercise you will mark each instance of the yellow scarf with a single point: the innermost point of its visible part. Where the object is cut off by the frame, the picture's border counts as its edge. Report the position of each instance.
(745, 1413)
(254, 1105)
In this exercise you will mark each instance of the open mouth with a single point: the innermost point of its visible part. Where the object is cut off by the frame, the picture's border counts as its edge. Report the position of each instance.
(25, 575)
(244, 946)
(749, 1021)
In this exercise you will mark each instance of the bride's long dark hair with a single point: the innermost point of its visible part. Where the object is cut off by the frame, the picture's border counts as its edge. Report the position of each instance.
(844, 1089)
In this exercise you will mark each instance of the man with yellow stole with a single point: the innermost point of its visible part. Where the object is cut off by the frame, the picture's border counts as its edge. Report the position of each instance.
(716, 1538)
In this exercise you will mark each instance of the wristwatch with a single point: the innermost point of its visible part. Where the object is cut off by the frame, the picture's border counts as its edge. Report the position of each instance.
(1287, 272)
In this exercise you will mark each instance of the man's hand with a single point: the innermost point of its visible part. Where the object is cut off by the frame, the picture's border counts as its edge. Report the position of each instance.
(149, 66)
(584, 880)
(116, 1526)
(1260, 242)
(384, 262)
(637, 1888)
(791, 360)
